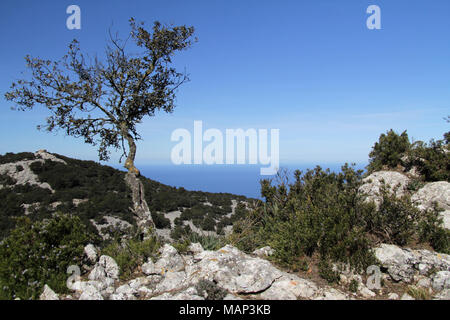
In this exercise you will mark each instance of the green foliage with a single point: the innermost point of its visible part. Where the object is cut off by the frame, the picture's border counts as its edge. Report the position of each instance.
(418, 293)
(388, 151)
(38, 253)
(161, 222)
(396, 219)
(323, 213)
(210, 290)
(353, 286)
(131, 253)
(326, 272)
(10, 157)
(431, 231)
(432, 159)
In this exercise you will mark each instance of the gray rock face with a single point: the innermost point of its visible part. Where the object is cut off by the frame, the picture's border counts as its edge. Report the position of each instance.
(105, 273)
(263, 252)
(441, 280)
(438, 192)
(290, 287)
(48, 294)
(403, 264)
(234, 271)
(91, 253)
(373, 183)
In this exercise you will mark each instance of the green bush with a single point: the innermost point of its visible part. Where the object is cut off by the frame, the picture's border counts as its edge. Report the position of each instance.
(389, 151)
(432, 159)
(395, 221)
(131, 253)
(322, 214)
(38, 253)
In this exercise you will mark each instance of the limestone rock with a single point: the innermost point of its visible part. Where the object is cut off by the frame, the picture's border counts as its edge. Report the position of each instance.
(264, 252)
(441, 280)
(438, 192)
(91, 253)
(48, 294)
(373, 183)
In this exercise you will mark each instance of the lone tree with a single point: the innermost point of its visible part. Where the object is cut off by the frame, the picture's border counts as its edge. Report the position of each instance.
(102, 100)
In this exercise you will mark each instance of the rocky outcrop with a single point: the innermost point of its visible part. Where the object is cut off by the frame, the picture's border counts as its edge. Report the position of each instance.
(434, 192)
(392, 179)
(406, 265)
(48, 294)
(176, 276)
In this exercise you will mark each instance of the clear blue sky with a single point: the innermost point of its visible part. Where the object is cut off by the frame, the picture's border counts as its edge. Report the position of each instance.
(309, 68)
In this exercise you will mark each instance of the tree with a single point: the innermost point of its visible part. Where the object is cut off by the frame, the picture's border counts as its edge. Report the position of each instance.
(103, 101)
(389, 150)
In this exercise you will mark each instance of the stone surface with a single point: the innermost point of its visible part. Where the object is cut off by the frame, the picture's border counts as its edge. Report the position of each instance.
(91, 253)
(48, 294)
(403, 264)
(264, 252)
(438, 192)
(373, 183)
(441, 280)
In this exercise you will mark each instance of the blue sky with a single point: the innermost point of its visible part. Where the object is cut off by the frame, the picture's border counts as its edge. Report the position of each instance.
(309, 68)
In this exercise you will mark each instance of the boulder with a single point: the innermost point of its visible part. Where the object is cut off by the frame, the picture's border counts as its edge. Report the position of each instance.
(91, 253)
(263, 252)
(373, 183)
(441, 280)
(403, 264)
(48, 294)
(434, 192)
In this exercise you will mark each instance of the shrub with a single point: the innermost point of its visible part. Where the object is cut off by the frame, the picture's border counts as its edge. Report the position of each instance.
(131, 253)
(388, 151)
(396, 219)
(38, 253)
(432, 159)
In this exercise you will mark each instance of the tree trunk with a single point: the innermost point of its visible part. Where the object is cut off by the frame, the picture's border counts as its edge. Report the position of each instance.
(129, 163)
(140, 208)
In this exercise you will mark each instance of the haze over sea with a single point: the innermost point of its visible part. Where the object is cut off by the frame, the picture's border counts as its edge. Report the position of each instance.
(236, 179)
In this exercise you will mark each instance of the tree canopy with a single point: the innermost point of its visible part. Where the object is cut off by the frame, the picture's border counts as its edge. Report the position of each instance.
(102, 100)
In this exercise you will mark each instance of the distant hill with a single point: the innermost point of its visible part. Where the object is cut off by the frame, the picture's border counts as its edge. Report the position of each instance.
(41, 183)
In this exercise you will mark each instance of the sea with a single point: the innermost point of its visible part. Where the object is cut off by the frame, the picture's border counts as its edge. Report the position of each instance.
(235, 179)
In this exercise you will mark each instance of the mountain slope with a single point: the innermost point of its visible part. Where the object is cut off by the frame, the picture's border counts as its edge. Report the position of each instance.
(41, 183)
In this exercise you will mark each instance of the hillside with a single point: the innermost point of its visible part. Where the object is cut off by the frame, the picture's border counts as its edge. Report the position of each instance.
(39, 184)
(380, 234)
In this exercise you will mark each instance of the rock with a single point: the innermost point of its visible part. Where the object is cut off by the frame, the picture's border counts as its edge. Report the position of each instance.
(169, 260)
(372, 184)
(233, 270)
(330, 294)
(110, 266)
(105, 272)
(149, 268)
(424, 283)
(231, 297)
(403, 264)
(393, 296)
(195, 248)
(406, 296)
(91, 253)
(264, 252)
(290, 287)
(441, 280)
(48, 294)
(172, 281)
(90, 292)
(438, 192)
(443, 295)
(366, 292)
